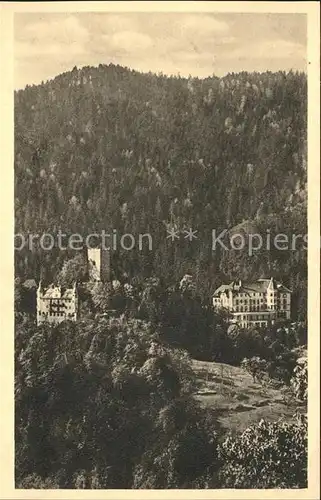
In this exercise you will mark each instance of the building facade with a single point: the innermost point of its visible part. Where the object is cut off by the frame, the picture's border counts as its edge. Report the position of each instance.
(257, 303)
(55, 304)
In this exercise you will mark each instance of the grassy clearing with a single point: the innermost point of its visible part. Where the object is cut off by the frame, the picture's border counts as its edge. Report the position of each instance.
(237, 400)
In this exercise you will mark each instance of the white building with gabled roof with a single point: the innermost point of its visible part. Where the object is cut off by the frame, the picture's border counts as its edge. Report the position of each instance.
(56, 304)
(254, 303)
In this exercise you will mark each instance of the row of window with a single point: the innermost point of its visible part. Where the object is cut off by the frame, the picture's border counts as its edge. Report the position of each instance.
(263, 307)
(260, 294)
(255, 317)
(258, 301)
(257, 320)
(247, 295)
(257, 323)
(246, 301)
(57, 300)
(59, 313)
(246, 309)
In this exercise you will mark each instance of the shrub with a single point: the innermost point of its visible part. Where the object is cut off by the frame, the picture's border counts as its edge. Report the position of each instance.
(299, 381)
(266, 455)
(255, 366)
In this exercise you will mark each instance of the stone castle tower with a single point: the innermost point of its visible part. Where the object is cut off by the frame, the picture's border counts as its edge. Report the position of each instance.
(98, 264)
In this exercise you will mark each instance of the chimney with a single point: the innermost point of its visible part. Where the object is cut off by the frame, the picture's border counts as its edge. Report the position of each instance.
(271, 284)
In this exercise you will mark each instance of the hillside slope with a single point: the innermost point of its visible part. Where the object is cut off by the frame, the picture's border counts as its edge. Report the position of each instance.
(237, 400)
(108, 147)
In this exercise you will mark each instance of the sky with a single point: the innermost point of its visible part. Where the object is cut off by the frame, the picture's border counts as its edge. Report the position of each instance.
(196, 44)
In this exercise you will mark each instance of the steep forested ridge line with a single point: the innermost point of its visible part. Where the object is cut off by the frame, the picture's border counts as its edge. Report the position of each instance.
(108, 147)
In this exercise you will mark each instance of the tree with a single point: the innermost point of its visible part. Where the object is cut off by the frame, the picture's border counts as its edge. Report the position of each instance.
(100, 294)
(98, 401)
(255, 366)
(158, 161)
(266, 455)
(299, 381)
(17, 294)
(73, 270)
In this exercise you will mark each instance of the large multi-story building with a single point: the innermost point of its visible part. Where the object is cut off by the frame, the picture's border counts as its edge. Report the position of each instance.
(256, 303)
(55, 304)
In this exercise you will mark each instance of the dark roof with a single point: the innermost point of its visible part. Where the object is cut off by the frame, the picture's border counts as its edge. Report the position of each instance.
(58, 292)
(221, 289)
(259, 286)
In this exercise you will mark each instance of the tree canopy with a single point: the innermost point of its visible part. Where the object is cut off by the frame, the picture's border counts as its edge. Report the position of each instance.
(108, 147)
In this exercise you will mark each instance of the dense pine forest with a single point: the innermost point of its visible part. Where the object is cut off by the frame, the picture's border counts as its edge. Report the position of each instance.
(113, 400)
(112, 148)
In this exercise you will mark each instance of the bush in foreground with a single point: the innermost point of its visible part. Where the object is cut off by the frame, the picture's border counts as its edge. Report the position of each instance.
(104, 404)
(266, 455)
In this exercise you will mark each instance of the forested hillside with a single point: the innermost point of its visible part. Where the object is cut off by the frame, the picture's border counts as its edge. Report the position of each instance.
(108, 147)
(105, 403)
